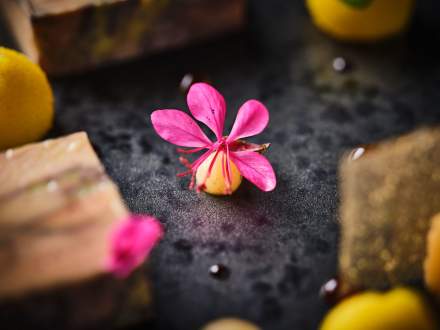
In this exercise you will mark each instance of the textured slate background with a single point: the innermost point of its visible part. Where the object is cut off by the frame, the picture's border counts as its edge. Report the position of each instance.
(280, 246)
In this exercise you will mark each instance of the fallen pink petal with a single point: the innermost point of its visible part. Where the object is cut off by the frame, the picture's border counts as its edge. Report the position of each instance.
(208, 106)
(131, 242)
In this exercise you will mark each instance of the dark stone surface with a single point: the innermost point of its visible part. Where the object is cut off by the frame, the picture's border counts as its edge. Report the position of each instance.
(280, 247)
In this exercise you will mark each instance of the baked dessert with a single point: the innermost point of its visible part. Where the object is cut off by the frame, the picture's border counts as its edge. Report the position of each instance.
(66, 36)
(389, 194)
(57, 210)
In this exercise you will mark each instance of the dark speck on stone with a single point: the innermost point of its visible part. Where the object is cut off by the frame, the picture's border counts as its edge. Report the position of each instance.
(114, 142)
(227, 228)
(261, 287)
(107, 137)
(302, 191)
(145, 146)
(292, 279)
(183, 244)
(324, 88)
(296, 145)
(365, 109)
(319, 175)
(325, 141)
(197, 222)
(336, 113)
(304, 129)
(258, 272)
(319, 245)
(302, 162)
(183, 254)
(262, 221)
(162, 171)
(215, 247)
(280, 137)
(271, 87)
(371, 92)
(124, 136)
(405, 112)
(271, 308)
(350, 86)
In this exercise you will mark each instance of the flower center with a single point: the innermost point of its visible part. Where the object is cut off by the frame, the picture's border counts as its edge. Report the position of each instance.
(221, 144)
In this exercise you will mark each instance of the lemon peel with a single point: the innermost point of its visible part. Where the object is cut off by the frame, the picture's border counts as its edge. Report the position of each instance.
(376, 20)
(26, 100)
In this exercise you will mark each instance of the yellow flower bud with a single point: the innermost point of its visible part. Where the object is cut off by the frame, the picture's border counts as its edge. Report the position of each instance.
(216, 183)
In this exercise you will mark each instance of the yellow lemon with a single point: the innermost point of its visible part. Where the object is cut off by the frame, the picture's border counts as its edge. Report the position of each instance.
(215, 183)
(399, 309)
(230, 324)
(26, 100)
(361, 20)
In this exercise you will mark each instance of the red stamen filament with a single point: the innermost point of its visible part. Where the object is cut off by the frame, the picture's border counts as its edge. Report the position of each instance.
(185, 162)
(192, 167)
(211, 165)
(224, 173)
(190, 151)
(228, 171)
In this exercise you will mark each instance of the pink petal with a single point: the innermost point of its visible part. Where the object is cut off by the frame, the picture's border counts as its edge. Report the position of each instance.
(256, 168)
(252, 119)
(178, 128)
(208, 106)
(131, 242)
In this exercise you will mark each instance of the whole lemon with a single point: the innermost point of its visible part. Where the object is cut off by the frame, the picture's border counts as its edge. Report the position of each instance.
(361, 20)
(230, 324)
(399, 309)
(26, 100)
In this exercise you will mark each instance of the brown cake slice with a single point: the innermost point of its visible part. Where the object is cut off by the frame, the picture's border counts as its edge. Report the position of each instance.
(73, 35)
(57, 208)
(389, 193)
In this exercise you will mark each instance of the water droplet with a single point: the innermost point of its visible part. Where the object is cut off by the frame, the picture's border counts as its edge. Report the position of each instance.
(330, 291)
(333, 291)
(219, 271)
(340, 65)
(186, 82)
(9, 154)
(191, 78)
(52, 186)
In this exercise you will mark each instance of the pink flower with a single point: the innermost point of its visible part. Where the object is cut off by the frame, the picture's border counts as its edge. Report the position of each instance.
(131, 242)
(208, 106)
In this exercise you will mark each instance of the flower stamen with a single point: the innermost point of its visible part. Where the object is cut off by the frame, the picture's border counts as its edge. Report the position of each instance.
(228, 172)
(224, 166)
(211, 165)
(190, 151)
(185, 162)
